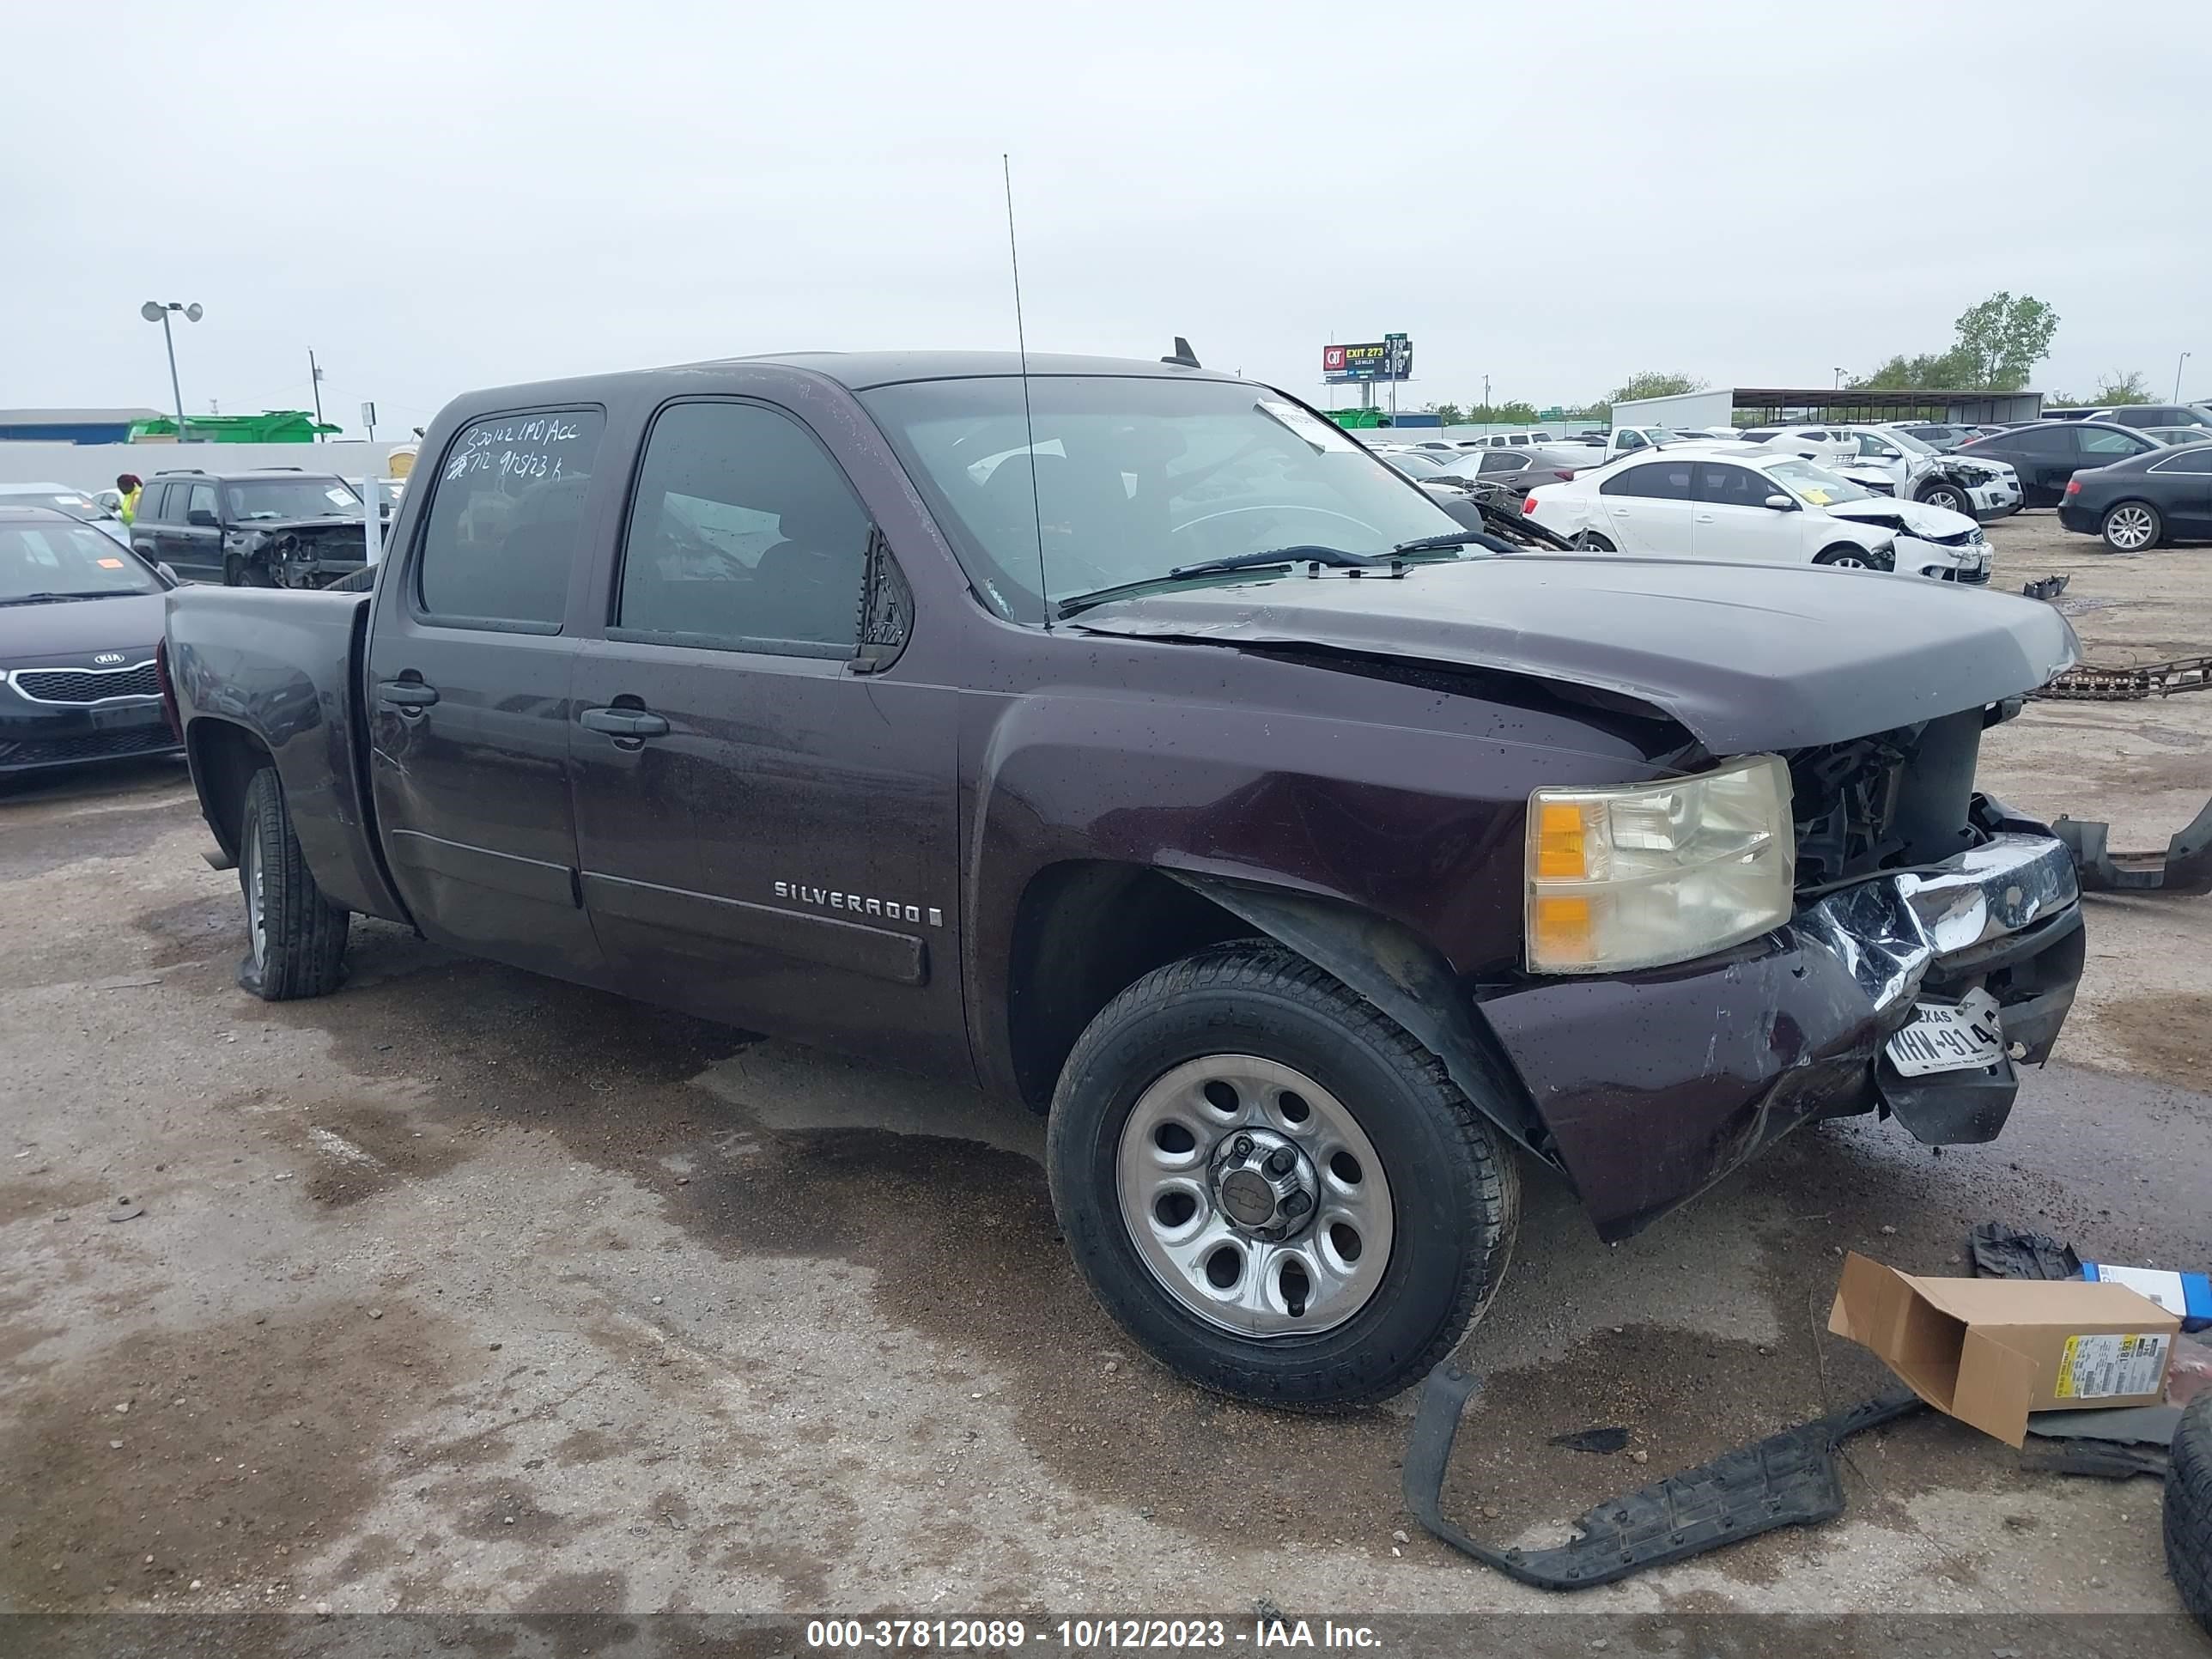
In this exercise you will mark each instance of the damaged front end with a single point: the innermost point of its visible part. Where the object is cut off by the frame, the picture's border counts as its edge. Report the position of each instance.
(309, 553)
(1913, 892)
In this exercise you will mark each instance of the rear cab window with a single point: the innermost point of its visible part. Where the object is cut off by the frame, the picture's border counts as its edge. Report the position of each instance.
(506, 521)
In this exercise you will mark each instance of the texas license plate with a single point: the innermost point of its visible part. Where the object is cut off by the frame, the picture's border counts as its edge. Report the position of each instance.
(1949, 1036)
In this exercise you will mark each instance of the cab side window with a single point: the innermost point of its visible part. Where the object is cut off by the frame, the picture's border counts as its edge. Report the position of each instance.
(202, 503)
(744, 535)
(505, 520)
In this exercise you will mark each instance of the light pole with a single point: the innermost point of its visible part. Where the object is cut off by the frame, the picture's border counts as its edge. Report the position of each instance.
(1840, 381)
(155, 311)
(2177, 376)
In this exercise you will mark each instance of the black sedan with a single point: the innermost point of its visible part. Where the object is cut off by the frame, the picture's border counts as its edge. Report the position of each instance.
(2046, 453)
(79, 617)
(2163, 496)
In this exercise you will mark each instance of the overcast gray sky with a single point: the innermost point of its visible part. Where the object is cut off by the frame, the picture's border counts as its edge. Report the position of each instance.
(438, 196)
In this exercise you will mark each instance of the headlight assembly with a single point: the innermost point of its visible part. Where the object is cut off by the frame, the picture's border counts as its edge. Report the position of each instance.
(1658, 873)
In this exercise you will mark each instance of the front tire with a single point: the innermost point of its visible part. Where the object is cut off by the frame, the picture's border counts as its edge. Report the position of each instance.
(296, 936)
(2131, 526)
(1949, 497)
(1846, 555)
(1244, 1080)
(2188, 1519)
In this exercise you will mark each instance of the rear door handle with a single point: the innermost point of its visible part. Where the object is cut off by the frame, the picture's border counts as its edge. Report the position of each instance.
(624, 722)
(407, 694)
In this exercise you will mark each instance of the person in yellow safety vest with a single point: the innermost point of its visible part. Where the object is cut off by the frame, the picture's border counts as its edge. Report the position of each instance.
(127, 486)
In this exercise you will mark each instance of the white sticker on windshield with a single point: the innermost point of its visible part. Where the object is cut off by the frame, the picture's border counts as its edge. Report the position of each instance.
(341, 497)
(1321, 434)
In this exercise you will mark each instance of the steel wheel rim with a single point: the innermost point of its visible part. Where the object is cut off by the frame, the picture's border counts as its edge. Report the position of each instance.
(2128, 527)
(1180, 1137)
(256, 902)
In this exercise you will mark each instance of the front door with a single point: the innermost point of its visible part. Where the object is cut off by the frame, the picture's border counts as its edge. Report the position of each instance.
(1648, 508)
(1733, 522)
(2182, 491)
(192, 539)
(767, 835)
(470, 660)
(2045, 457)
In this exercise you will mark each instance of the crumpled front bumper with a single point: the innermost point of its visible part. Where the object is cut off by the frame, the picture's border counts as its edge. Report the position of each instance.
(1654, 1085)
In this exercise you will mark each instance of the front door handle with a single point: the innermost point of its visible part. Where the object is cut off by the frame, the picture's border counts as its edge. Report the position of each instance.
(624, 722)
(407, 694)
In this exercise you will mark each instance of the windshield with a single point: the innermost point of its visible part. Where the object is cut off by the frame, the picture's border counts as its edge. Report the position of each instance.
(1906, 442)
(1134, 477)
(1815, 485)
(1420, 466)
(53, 557)
(290, 498)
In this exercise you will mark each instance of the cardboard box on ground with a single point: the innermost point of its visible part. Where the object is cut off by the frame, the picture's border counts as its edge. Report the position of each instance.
(1990, 1351)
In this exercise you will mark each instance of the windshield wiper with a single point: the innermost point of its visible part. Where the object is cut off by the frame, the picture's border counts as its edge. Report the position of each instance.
(1335, 558)
(1280, 558)
(1438, 543)
(49, 598)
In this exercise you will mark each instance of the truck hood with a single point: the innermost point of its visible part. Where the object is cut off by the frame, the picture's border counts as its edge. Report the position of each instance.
(324, 521)
(1746, 657)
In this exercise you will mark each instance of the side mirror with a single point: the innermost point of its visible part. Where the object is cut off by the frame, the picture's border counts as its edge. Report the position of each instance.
(200, 518)
(168, 575)
(1780, 504)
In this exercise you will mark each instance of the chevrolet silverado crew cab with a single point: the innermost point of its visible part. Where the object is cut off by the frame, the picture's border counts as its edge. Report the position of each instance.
(1125, 739)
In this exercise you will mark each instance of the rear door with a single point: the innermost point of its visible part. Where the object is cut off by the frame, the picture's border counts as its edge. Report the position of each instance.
(191, 533)
(149, 529)
(768, 835)
(1648, 509)
(1732, 520)
(2045, 457)
(469, 668)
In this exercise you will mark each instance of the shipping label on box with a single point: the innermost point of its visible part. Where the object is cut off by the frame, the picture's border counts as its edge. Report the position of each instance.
(1990, 1351)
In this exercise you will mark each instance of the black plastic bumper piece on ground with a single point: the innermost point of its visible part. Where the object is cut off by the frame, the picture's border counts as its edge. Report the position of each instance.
(2185, 867)
(1787, 1479)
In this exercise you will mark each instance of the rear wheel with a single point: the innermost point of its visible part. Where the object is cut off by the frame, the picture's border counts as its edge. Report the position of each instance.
(2131, 526)
(1271, 1187)
(1590, 542)
(297, 937)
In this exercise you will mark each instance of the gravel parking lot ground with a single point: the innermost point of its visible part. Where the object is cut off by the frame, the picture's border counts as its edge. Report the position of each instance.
(462, 1290)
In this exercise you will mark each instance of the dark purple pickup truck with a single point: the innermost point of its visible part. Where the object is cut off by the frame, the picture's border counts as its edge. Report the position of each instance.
(1130, 741)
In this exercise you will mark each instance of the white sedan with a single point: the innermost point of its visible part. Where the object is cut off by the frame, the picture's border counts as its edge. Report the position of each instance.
(1729, 503)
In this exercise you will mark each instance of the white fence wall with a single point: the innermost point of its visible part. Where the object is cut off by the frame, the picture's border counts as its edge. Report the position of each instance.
(94, 466)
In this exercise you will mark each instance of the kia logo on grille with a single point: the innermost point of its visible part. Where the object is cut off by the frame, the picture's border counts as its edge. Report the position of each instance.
(107, 659)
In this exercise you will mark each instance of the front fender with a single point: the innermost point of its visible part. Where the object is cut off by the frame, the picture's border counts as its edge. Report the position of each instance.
(1387, 964)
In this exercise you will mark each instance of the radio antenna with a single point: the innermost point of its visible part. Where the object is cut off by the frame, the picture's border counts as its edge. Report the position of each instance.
(1029, 419)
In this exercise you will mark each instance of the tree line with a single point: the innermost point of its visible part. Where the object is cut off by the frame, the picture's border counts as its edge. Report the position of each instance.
(1996, 346)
